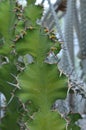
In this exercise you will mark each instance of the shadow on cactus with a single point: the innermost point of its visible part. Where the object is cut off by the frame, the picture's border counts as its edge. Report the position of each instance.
(7, 65)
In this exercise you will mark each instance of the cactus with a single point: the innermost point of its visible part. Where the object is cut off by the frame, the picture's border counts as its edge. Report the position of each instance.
(31, 88)
(39, 83)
